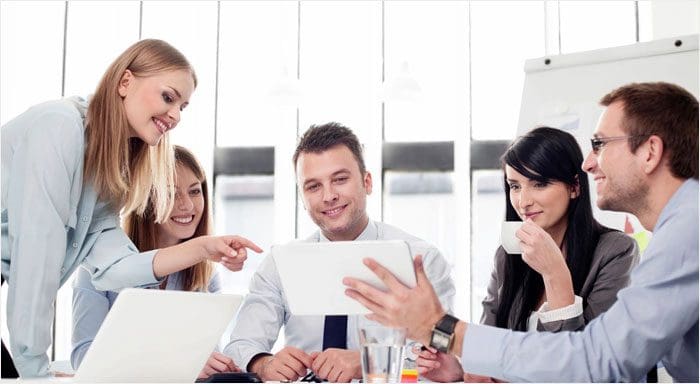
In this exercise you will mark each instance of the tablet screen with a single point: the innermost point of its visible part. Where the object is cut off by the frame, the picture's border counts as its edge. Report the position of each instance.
(312, 273)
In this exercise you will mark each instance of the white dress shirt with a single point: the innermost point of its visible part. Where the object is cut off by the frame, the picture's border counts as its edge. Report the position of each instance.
(265, 310)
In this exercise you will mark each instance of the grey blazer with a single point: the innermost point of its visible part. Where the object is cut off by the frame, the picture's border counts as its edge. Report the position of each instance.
(613, 259)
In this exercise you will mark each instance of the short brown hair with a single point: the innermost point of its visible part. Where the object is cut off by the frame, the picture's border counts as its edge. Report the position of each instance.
(665, 110)
(320, 138)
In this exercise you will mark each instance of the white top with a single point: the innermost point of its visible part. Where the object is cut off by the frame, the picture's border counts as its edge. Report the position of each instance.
(545, 315)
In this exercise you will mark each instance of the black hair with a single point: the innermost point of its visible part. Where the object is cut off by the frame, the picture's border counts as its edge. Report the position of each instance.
(547, 155)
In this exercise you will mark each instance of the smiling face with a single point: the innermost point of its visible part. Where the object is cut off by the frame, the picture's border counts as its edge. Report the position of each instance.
(153, 103)
(546, 203)
(334, 192)
(615, 169)
(187, 210)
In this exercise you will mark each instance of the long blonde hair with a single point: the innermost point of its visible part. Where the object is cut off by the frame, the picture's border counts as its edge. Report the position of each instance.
(126, 172)
(142, 229)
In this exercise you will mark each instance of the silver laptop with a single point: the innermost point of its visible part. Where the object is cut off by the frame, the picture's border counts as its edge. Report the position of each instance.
(157, 336)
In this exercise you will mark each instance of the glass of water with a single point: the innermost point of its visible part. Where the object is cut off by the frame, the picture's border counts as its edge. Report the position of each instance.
(382, 353)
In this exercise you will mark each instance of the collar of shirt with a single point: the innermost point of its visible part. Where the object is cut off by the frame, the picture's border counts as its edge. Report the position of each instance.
(369, 233)
(688, 191)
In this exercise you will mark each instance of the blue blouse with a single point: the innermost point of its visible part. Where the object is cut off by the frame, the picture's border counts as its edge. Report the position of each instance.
(51, 223)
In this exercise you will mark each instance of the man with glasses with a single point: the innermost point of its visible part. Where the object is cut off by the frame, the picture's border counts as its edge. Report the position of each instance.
(334, 183)
(644, 161)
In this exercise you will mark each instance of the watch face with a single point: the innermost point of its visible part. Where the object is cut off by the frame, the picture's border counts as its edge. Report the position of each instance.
(440, 340)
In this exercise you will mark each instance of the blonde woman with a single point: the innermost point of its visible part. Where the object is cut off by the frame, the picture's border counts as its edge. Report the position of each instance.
(188, 219)
(68, 168)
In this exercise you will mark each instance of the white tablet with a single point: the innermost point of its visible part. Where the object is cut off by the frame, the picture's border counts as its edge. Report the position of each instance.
(151, 335)
(312, 273)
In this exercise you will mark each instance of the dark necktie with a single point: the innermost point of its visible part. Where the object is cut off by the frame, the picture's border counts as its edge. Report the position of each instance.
(335, 332)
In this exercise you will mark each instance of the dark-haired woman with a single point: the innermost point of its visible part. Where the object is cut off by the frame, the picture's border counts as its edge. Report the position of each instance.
(571, 266)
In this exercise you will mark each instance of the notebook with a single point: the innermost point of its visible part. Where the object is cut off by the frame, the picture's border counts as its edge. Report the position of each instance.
(157, 336)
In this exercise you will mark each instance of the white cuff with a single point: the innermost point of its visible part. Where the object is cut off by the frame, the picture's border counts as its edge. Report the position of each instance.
(568, 312)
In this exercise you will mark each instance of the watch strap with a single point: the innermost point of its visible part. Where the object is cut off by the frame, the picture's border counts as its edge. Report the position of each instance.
(443, 333)
(447, 324)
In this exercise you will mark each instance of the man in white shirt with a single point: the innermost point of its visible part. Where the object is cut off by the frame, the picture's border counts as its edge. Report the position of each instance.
(334, 184)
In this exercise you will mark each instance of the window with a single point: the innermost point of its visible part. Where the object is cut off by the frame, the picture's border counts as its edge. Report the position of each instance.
(252, 106)
(340, 68)
(645, 21)
(115, 25)
(422, 204)
(503, 35)
(488, 211)
(436, 56)
(191, 28)
(586, 26)
(30, 75)
(245, 207)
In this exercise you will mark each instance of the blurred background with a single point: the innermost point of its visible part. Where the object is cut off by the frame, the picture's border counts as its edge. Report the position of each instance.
(432, 89)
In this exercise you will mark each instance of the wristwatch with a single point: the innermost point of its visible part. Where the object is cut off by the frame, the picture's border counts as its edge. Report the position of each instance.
(444, 333)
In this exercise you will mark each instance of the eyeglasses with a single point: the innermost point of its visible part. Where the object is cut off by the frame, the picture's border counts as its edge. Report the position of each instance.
(598, 142)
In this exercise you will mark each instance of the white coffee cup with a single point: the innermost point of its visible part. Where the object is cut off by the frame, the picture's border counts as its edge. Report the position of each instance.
(508, 240)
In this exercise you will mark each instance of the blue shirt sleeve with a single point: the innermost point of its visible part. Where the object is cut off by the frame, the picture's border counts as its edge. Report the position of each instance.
(620, 345)
(214, 282)
(115, 263)
(655, 317)
(90, 307)
(44, 166)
